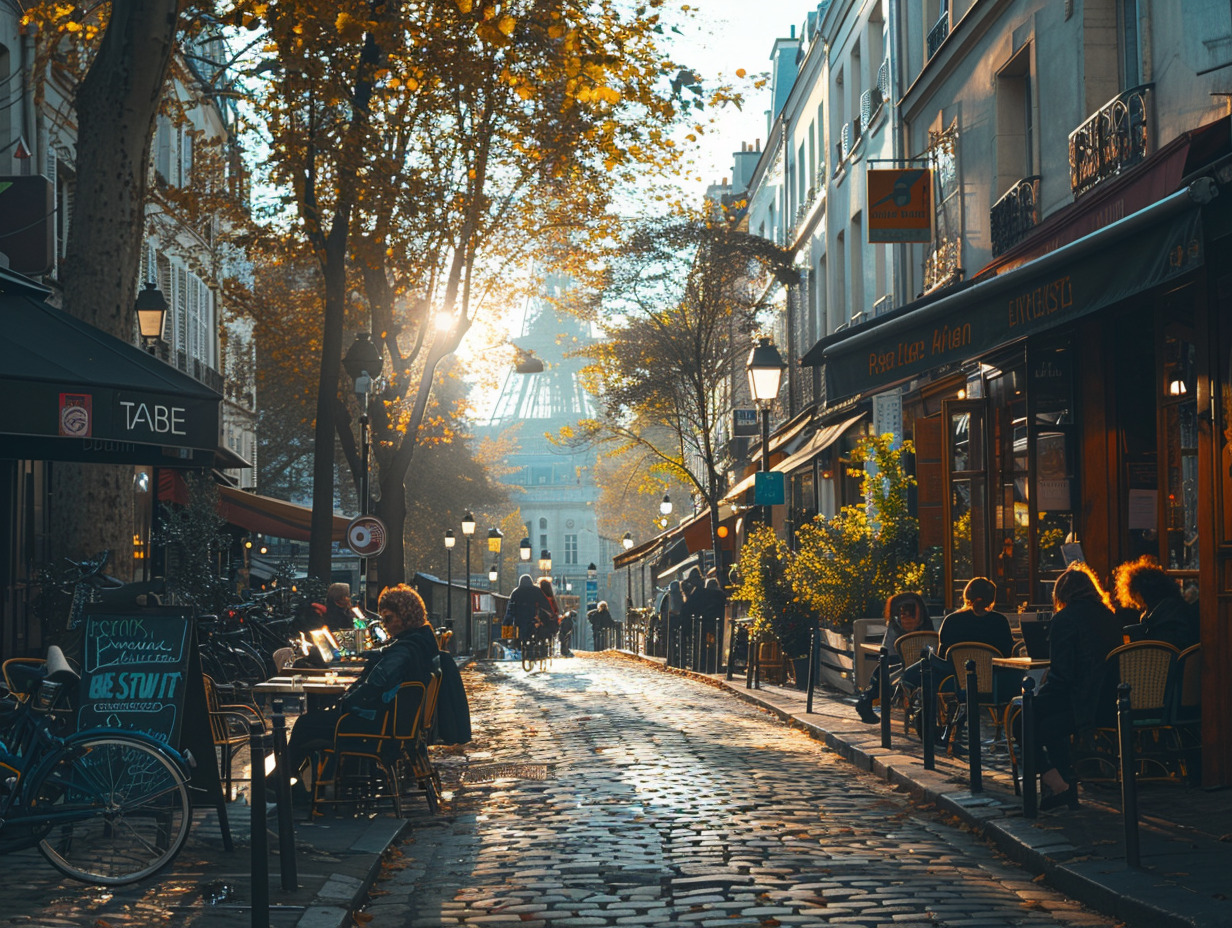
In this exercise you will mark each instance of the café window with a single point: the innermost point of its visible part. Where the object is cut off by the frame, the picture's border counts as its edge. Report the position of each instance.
(1178, 452)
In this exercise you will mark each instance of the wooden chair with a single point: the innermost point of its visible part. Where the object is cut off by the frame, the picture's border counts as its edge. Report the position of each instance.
(953, 691)
(230, 727)
(910, 648)
(362, 746)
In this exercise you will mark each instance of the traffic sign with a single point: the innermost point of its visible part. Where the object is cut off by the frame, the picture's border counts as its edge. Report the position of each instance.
(366, 536)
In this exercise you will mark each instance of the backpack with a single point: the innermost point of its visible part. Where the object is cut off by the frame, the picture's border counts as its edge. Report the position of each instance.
(453, 712)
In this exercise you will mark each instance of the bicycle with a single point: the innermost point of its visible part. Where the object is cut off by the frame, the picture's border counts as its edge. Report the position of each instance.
(536, 649)
(102, 806)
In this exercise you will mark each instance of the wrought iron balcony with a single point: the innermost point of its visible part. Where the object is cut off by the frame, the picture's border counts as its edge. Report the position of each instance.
(1114, 138)
(938, 33)
(1014, 215)
(870, 103)
(883, 79)
(941, 267)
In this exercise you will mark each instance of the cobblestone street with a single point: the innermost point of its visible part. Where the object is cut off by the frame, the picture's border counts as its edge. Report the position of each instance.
(602, 792)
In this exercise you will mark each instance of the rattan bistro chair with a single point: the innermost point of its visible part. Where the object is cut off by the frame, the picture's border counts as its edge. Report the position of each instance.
(910, 648)
(230, 727)
(1148, 667)
(361, 767)
(953, 689)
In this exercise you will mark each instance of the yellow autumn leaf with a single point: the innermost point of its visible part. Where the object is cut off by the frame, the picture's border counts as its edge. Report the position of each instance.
(464, 5)
(506, 24)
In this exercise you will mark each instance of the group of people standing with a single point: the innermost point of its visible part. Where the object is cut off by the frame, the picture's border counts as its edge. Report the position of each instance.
(1076, 693)
(689, 612)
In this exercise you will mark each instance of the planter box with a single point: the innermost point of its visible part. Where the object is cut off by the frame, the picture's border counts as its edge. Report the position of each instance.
(837, 667)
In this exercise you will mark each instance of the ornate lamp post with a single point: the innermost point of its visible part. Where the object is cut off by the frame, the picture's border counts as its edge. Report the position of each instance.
(665, 507)
(765, 369)
(524, 550)
(545, 563)
(450, 541)
(151, 308)
(495, 538)
(627, 544)
(468, 529)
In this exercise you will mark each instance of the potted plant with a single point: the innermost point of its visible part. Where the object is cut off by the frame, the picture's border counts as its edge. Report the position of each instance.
(775, 611)
(846, 566)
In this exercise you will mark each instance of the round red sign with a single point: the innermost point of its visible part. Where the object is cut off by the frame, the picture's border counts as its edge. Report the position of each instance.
(366, 536)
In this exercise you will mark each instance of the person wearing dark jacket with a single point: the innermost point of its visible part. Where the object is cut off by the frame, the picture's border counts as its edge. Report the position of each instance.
(977, 621)
(527, 605)
(904, 612)
(1083, 631)
(601, 624)
(338, 606)
(566, 633)
(1144, 586)
(410, 655)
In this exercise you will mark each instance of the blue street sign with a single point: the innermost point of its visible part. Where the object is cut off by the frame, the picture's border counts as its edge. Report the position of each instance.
(768, 489)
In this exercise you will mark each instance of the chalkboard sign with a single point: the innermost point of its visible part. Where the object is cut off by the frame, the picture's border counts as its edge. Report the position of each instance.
(135, 671)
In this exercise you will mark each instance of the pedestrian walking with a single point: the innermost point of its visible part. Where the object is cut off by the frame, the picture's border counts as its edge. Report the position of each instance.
(526, 604)
(551, 618)
(601, 622)
(566, 633)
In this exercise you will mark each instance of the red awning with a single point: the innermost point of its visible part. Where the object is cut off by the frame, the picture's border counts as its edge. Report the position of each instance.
(276, 518)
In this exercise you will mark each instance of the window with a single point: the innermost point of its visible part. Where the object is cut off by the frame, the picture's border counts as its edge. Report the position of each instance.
(1015, 122)
(571, 549)
(543, 523)
(543, 542)
(1127, 23)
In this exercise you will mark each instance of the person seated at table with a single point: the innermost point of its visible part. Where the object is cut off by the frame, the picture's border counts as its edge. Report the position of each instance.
(1069, 701)
(338, 606)
(409, 656)
(904, 612)
(1143, 585)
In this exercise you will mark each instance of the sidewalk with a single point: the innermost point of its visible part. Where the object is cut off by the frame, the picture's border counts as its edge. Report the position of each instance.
(337, 858)
(1185, 836)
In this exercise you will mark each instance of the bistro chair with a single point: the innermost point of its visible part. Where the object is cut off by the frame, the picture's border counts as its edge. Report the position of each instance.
(415, 759)
(772, 664)
(1148, 667)
(362, 764)
(230, 727)
(953, 688)
(1186, 715)
(910, 648)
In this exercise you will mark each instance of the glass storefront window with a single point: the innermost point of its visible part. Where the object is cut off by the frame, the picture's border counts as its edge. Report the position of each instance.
(1179, 453)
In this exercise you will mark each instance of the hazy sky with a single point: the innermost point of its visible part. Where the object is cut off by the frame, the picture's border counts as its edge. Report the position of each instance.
(727, 35)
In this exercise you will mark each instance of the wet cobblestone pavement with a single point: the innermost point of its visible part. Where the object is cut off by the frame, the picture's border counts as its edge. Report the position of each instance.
(605, 793)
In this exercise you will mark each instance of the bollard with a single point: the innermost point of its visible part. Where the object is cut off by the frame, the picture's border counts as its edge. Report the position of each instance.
(748, 661)
(1129, 782)
(928, 709)
(812, 668)
(883, 684)
(757, 666)
(287, 867)
(973, 730)
(1029, 805)
(680, 645)
(260, 836)
(731, 653)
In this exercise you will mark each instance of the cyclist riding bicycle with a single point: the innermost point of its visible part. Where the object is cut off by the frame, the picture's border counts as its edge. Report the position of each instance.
(527, 609)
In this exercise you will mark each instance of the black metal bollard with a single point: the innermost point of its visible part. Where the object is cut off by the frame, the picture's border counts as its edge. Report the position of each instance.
(973, 730)
(757, 667)
(287, 867)
(812, 669)
(1129, 782)
(928, 709)
(260, 836)
(1029, 805)
(680, 646)
(748, 661)
(731, 653)
(883, 684)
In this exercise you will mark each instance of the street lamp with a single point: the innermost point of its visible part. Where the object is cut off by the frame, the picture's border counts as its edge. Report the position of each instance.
(524, 549)
(765, 369)
(627, 544)
(151, 309)
(545, 562)
(665, 507)
(363, 363)
(495, 538)
(468, 529)
(450, 541)
(592, 584)
(493, 575)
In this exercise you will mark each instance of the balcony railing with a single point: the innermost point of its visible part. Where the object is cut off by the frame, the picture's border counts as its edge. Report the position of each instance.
(941, 266)
(1014, 215)
(883, 79)
(1114, 138)
(870, 103)
(938, 33)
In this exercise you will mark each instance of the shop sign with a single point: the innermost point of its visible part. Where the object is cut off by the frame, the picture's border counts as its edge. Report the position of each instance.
(768, 489)
(900, 204)
(744, 423)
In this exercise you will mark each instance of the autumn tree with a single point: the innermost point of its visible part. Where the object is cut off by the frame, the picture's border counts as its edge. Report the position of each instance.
(681, 291)
(427, 148)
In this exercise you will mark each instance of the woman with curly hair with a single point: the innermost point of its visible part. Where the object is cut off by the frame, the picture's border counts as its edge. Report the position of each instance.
(904, 612)
(1144, 586)
(1083, 631)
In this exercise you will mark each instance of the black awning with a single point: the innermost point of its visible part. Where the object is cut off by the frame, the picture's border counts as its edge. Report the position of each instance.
(1141, 251)
(74, 393)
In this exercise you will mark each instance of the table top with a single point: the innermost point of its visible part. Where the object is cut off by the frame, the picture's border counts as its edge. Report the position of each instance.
(869, 647)
(291, 685)
(1020, 663)
(342, 669)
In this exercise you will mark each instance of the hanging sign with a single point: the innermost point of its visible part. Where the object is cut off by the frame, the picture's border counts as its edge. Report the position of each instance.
(366, 536)
(900, 205)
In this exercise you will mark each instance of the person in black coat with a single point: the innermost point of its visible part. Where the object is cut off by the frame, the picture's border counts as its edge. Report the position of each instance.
(410, 655)
(975, 622)
(527, 608)
(1145, 586)
(1084, 630)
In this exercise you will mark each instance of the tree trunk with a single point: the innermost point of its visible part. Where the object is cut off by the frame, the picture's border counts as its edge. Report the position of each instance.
(391, 509)
(116, 104)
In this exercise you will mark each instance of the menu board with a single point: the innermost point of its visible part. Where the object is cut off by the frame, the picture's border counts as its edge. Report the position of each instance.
(135, 672)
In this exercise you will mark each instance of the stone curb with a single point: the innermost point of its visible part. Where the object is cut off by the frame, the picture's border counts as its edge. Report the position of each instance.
(986, 814)
(341, 896)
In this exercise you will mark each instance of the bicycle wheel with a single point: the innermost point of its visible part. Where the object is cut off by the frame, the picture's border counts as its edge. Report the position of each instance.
(116, 809)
